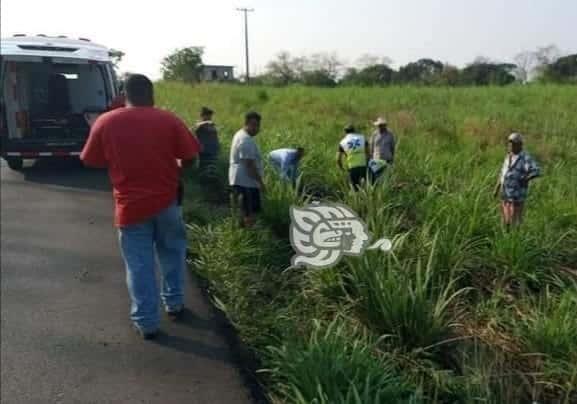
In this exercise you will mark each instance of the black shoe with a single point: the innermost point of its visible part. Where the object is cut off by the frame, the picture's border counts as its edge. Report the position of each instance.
(147, 336)
(176, 315)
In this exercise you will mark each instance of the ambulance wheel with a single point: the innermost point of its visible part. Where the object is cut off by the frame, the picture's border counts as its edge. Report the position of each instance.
(15, 163)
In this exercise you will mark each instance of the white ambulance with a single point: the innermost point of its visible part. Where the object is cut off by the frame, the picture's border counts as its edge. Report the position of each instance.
(52, 88)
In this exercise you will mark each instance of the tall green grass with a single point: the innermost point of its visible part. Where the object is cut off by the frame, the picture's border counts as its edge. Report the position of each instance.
(401, 302)
(463, 311)
(335, 366)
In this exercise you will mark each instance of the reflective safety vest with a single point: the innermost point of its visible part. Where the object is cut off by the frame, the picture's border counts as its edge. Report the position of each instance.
(354, 147)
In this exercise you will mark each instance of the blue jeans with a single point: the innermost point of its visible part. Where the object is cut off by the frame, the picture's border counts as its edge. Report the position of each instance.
(164, 234)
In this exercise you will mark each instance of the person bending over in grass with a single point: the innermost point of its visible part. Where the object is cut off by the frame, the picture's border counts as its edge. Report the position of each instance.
(518, 169)
(245, 173)
(381, 149)
(141, 145)
(286, 163)
(354, 148)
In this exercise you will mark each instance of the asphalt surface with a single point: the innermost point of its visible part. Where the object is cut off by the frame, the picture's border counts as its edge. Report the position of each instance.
(66, 337)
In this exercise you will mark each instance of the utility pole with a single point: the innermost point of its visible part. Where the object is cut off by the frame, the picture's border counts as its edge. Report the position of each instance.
(246, 11)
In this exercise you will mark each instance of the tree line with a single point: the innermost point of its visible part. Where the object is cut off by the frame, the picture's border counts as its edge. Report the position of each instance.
(545, 64)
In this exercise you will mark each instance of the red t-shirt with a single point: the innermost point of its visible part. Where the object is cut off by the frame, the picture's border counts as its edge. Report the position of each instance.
(140, 147)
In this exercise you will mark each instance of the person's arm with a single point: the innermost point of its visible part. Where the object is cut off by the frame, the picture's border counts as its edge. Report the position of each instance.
(497, 189)
(186, 145)
(340, 156)
(372, 145)
(499, 183)
(93, 154)
(532, 169)
(368, 154)
(393, 148)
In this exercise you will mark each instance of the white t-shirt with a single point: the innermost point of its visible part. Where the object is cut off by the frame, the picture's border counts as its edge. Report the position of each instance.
(243, 147)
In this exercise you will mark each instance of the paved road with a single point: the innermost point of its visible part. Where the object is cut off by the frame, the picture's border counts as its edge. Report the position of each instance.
(65, 331)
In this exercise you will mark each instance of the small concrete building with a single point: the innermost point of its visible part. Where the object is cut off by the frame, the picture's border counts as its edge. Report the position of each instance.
(217, 73)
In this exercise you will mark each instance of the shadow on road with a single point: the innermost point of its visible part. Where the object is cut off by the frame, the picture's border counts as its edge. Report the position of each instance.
(193, 347)
(67, 173)
(189, 319)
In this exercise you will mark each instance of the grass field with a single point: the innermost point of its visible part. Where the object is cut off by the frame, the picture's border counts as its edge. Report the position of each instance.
(461, 311)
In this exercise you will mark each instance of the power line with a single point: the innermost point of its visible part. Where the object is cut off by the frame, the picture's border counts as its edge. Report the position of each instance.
(246, 11)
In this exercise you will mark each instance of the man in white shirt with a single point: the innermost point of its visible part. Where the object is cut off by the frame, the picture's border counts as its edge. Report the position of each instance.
(245, 173)
(286, 162)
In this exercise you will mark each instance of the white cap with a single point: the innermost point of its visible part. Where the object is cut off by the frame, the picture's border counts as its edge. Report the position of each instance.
(380, 121)
(515, 138)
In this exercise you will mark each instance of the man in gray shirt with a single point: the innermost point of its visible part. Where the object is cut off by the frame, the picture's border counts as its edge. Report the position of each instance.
(382, 148)
(245, 172)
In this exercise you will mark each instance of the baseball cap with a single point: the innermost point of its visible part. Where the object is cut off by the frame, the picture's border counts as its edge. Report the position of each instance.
(515, 138)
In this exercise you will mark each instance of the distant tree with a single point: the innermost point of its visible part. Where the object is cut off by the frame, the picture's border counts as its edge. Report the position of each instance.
(545, 56)
(563, 70)
(350, 76)
(320, 69)
(183, 64)
(526, 62)
(284, 69)
(449, 76)
(318, 78)
(367, 60)
(423, 71)
(374, 75)
(484, 74)
(532, 64)
(329, 63)
(482, 60)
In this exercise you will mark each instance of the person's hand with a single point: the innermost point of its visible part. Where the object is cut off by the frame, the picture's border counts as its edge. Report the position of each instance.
(496, 191)
(262, 187)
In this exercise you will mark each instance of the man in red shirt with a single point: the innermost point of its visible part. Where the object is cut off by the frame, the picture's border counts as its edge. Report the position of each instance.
(141, 145)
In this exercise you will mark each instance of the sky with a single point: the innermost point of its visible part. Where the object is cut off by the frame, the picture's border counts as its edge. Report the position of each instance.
(453, 31)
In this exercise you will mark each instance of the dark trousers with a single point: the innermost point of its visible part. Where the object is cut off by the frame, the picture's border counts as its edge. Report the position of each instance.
(357, 175)
(249, 198)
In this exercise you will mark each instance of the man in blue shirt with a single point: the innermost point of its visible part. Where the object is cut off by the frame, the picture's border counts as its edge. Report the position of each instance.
(286, 161)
